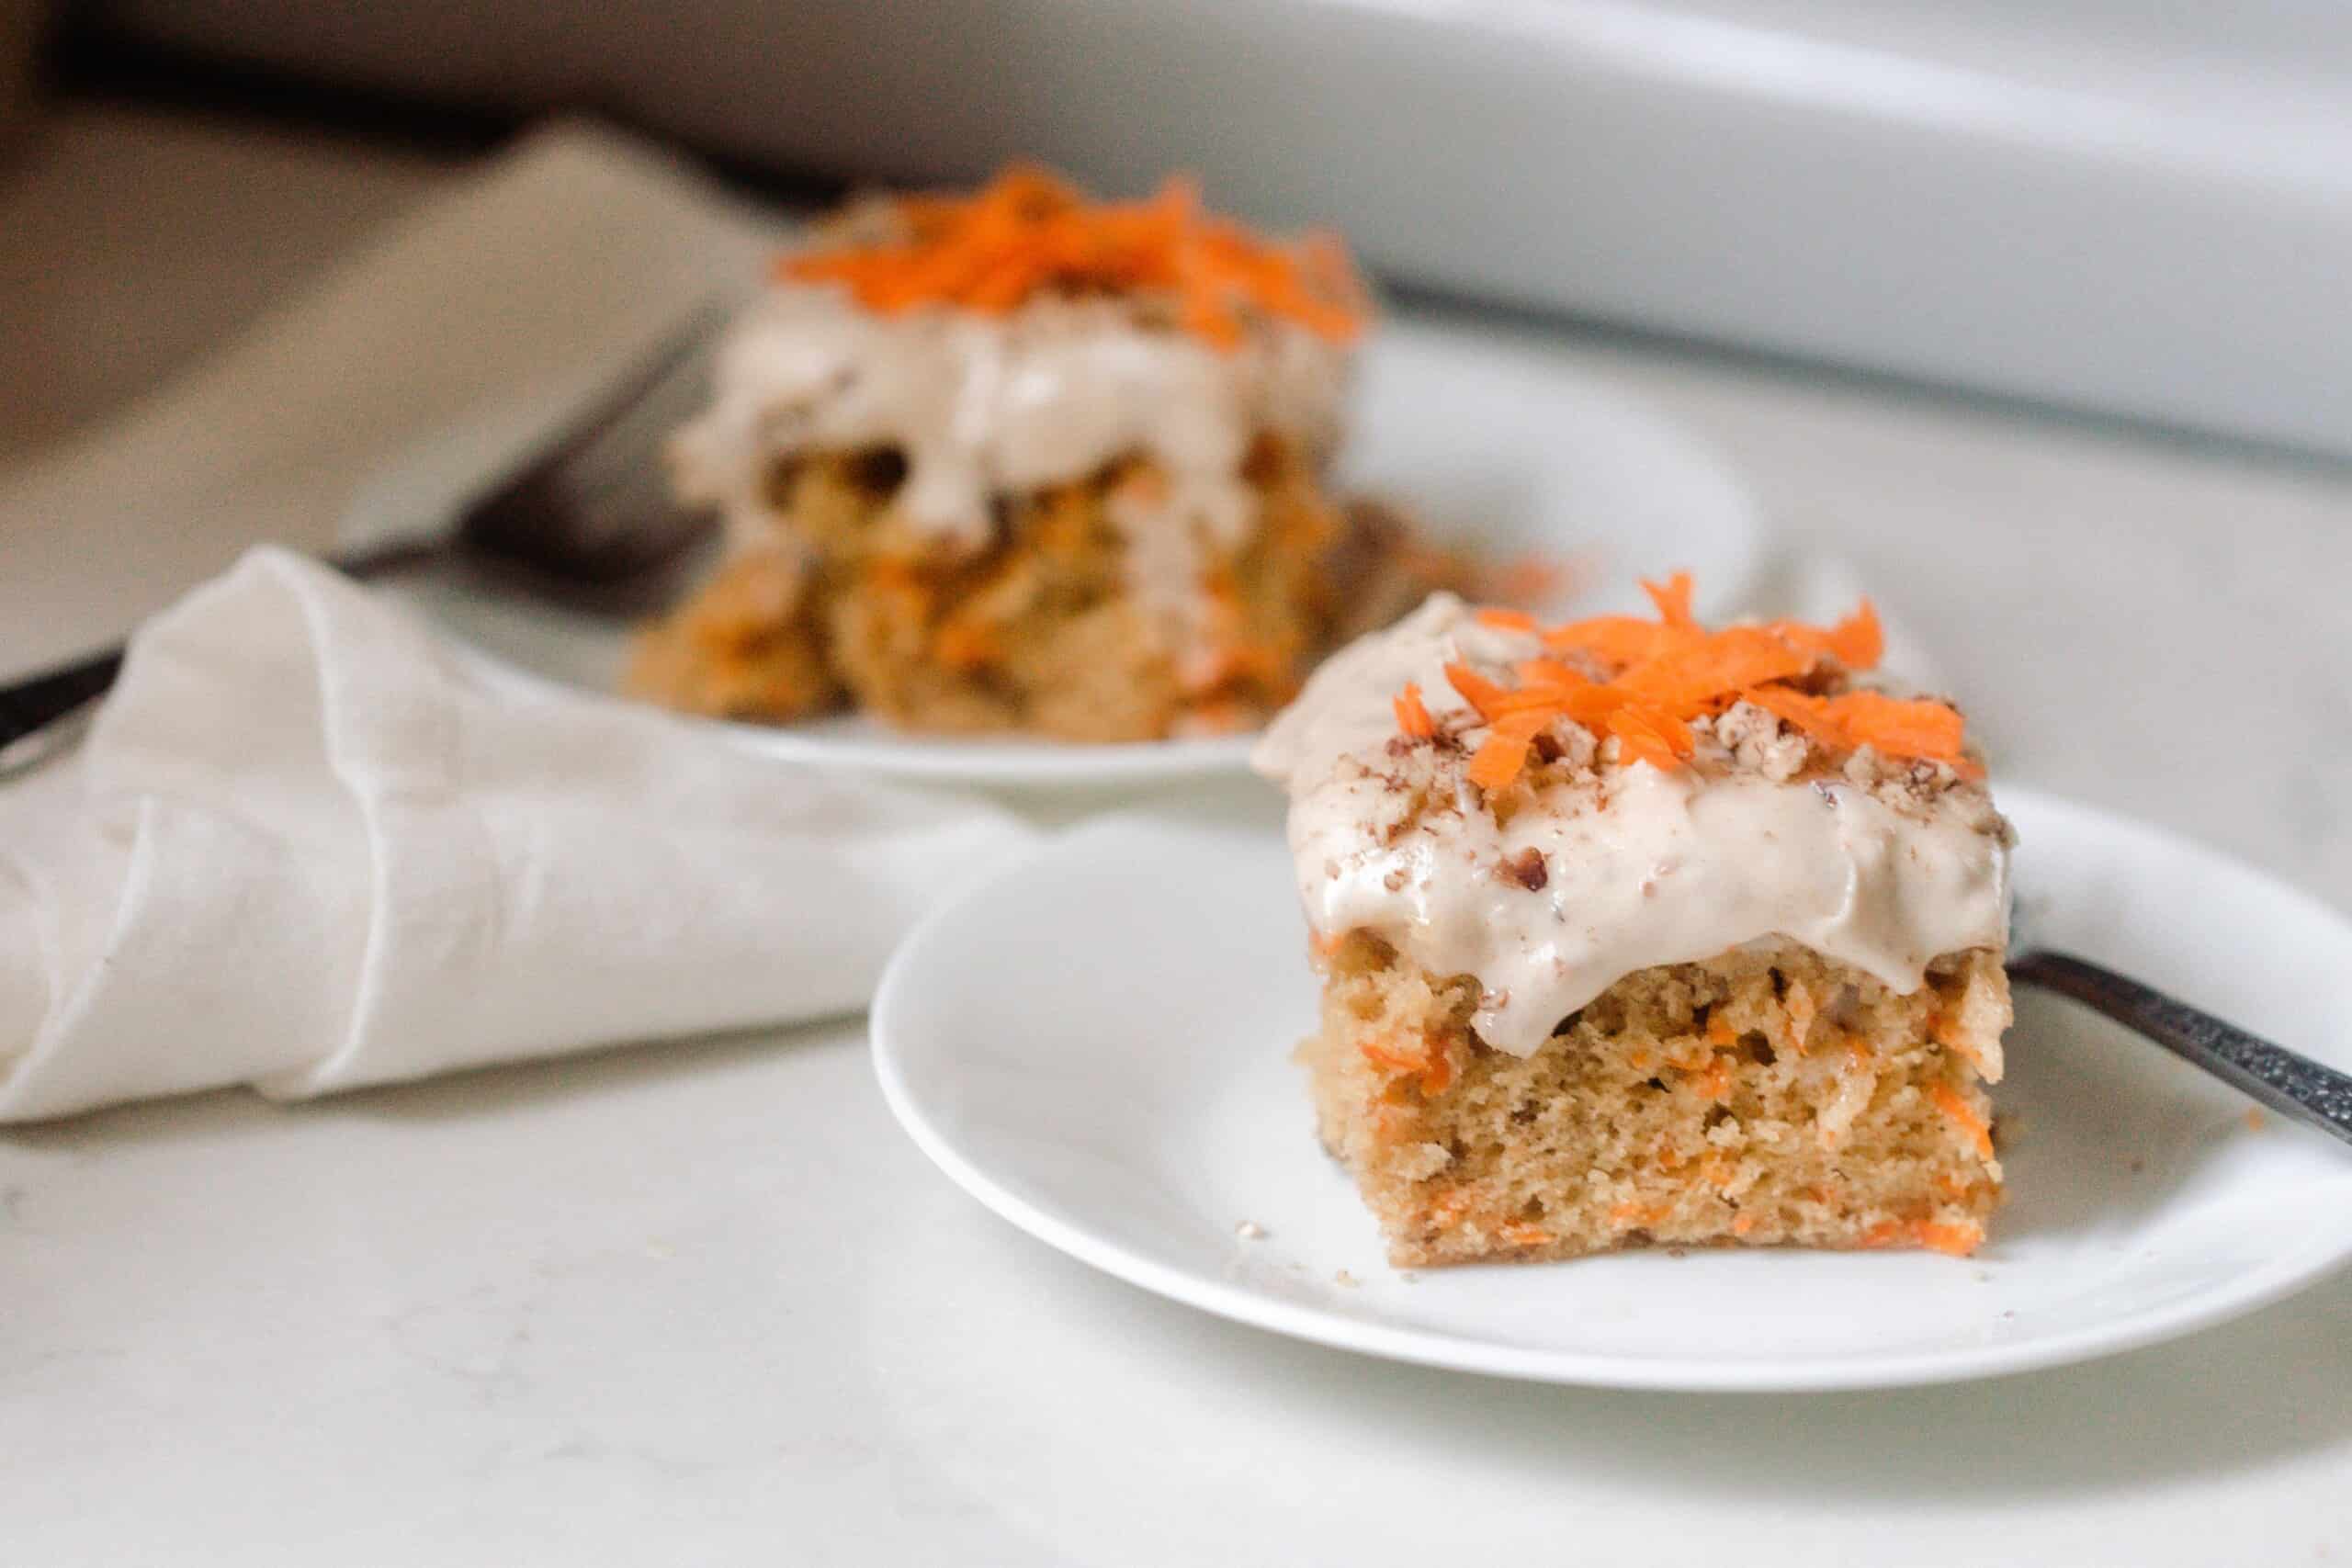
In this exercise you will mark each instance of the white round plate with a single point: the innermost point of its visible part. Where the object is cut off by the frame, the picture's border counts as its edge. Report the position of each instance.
(1097, 1047)
(1486, 442)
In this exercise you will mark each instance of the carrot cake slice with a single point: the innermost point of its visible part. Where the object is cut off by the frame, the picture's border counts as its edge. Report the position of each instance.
(1021, 461)
(1631, 931)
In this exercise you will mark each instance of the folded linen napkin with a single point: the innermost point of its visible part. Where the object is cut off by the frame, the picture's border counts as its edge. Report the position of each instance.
(309, 846)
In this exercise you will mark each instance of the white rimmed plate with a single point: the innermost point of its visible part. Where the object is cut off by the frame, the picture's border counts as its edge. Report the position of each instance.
(1487, 442)
(1097, 1047)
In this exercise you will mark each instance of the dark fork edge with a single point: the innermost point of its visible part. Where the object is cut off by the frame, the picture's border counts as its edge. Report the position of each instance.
(593, 507)
(2286, 1081)
(588, 510)
(34, 711)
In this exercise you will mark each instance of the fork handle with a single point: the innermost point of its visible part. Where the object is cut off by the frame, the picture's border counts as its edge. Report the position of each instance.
(2287, 1081)
(33, 710)
(32, 704)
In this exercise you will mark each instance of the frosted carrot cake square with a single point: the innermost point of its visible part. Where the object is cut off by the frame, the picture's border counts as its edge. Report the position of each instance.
(1017, 461)
(1631, 931)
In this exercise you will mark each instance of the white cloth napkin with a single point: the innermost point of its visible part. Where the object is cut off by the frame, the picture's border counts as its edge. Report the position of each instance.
(308, 846)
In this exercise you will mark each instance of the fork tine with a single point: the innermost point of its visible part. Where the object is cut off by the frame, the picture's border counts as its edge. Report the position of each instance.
(593, 506)
(646, 425)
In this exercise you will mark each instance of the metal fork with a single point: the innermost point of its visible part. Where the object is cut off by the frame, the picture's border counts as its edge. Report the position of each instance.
(587, 515)
(2287, 1081)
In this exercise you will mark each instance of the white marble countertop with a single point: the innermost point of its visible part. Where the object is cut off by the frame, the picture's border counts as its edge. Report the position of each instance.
(703, 1304)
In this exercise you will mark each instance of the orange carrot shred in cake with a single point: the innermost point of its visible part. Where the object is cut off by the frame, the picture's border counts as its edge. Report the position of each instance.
(1643, 682)
(1959, 1240)
(1953, 1103)
(1027, 232)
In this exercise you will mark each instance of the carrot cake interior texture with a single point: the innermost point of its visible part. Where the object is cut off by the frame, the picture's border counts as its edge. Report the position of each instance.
(1633, 932)
(1020, 461)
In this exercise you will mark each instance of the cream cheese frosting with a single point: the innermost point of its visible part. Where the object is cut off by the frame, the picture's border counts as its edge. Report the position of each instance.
(1632, 866)
(983, 406)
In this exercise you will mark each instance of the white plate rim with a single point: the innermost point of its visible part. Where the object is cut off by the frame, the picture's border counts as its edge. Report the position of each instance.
(2292, 1271)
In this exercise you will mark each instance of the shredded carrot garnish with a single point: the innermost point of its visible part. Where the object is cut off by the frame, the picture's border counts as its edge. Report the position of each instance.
(1504, 752)
(1741, 1225)
(1948, 1100)
(1413, 715)
(1644, 735)
(1883, 1233)
(1895, 727)
(1027, 234)
(1485, 695)
(1325, 942)
(1526, 1235)
(1639, 683)
(1508, 620)
(1624, 1216)
(1672, 598)
(1719, 1031)
(1858, 642)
